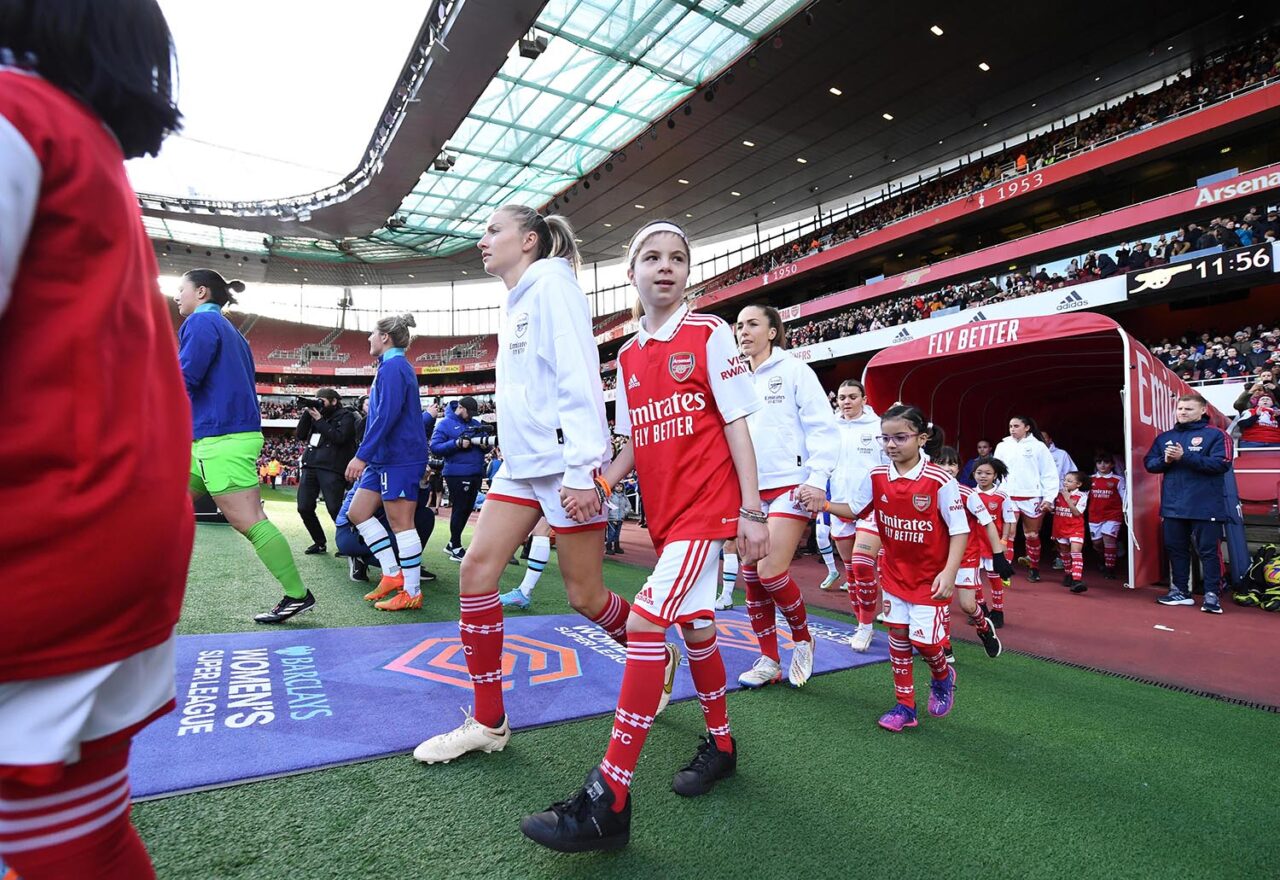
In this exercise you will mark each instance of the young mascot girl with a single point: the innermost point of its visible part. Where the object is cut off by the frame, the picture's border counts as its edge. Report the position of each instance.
(555, 439)
(1068, 528)
(924, 530)
(983, 536)
(988, 473)
(683, 400)
(796, 443)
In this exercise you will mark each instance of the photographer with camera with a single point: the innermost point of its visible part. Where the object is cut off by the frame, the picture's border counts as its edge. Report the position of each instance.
(329, 430)
(461, 442)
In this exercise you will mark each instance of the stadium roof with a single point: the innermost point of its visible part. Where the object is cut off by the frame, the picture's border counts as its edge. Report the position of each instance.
(698, 111)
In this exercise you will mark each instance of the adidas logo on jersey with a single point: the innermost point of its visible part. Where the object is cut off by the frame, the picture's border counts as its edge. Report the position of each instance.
(904, 335)
(1072, 300)
(978, 317)
(884, 499)
(633, 382)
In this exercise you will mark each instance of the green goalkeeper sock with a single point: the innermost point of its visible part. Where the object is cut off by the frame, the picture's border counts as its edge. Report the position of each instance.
(273, 550)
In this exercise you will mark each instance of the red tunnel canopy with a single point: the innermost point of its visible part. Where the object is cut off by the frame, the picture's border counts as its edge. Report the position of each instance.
(1065, 371)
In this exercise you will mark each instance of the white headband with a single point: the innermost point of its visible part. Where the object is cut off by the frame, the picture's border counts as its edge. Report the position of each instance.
(652, 229)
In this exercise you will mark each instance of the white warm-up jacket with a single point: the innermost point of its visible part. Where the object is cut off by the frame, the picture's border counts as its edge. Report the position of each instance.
(794, 434)
(860, 451)
(551, 414)
(1032, 471)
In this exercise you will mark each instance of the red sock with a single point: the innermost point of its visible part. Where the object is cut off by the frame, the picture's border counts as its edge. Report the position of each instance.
(760, 609)
(481, 632)
(637, 704)
(83, 819)
(786, 595)
(978, 619)
(1008, 550)
(849, 579)
(997, 591)
(904, 687)
(1077, 563)
(707, 668)
(862, 590)
(935, 657)
(1033, 549)
(613, 618)
(1108, 551)
(977, 589)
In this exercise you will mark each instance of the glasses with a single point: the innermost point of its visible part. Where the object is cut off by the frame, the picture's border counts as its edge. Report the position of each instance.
(894, 439)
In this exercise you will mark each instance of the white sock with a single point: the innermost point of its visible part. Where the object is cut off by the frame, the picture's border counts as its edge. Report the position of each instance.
(379, 544)
(729, 579)
(824, 547)
(539, 554)
(410, 560)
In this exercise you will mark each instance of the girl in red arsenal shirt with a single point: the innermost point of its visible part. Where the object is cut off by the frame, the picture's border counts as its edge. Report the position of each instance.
(1107, 494)
(84, 332)
(1068, 528)
(983, 536)
(924, 530)
(683, 399)
(988, 473)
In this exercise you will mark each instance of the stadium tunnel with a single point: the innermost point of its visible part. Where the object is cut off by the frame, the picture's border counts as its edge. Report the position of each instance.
(1079, 375)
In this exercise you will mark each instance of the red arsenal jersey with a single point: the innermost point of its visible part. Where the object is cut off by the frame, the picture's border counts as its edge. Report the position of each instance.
(1001, 509)
(95, 523)
(1067, 524)
(917, 513)
(677, 389)
(1106, 498)
(979, 517)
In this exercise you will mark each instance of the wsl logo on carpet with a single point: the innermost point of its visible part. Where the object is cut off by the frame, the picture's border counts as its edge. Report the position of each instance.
(247, 686)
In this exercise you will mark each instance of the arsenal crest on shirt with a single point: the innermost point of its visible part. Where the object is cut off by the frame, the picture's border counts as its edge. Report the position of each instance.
(681, 365)
(920, 502)
(1196, 441)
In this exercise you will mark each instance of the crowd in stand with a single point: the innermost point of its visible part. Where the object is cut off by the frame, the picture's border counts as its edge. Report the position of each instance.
(273, 410)
(1256, 225)
(1244, 65)
(279, 461)
(1250, 355)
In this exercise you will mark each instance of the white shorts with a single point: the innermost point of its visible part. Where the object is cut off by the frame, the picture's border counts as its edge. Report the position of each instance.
(1097, 530)
(683, 585)
(540, 493)
(926, 624)
(869, 525)
(969, 578)
(45, 720)
(1027, 506)
(783, 503)
(842, 528)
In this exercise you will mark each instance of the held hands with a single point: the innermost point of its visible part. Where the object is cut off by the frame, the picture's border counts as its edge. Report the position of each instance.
(354, 469)
(753, 541)
(944, 585)
(810, 498)
(1046, 506)
(582, 505)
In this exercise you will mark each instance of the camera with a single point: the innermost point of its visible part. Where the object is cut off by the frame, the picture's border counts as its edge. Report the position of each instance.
(317, 403)
(480, 435)
(435, 462)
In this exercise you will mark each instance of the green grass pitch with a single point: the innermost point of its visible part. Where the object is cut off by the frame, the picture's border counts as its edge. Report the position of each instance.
(1041, 771)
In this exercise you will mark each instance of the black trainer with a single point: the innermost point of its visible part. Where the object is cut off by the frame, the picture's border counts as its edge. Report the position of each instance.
(357, 570)
(1109, 573)
(991, 641)
(316, 550)
(709, 766)
(286, 608)
(1078, 587)
(1033, 575)
(427, 577)
(1066, 580)
(584, 822)
(996, 618)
